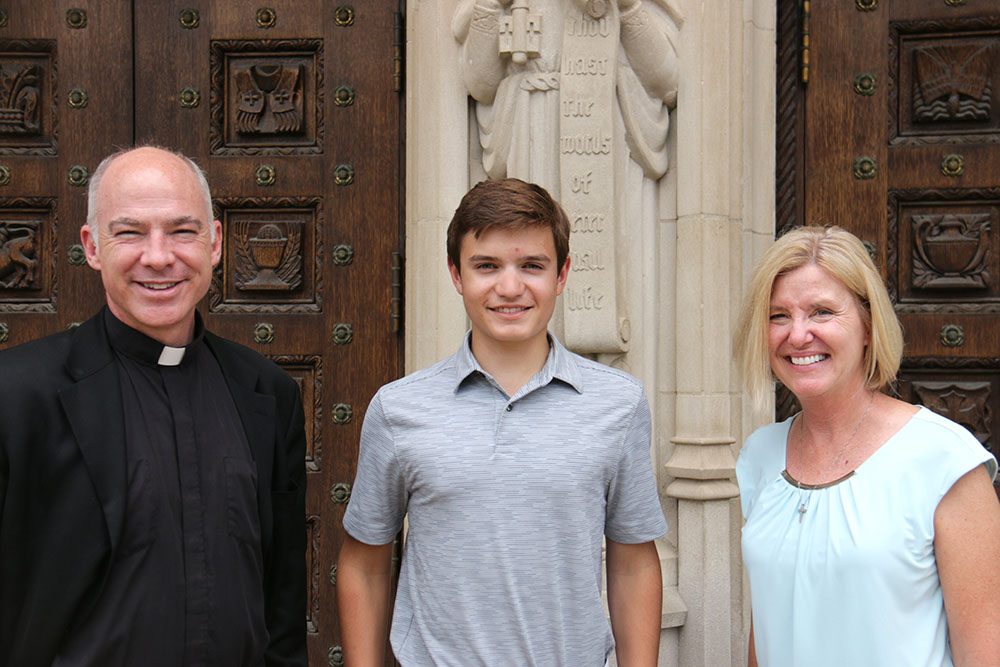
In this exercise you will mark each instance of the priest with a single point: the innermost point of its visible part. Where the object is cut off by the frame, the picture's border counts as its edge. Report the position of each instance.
(152, 477)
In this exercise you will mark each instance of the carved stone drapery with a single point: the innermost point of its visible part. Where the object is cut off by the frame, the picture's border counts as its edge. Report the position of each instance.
(587, 180)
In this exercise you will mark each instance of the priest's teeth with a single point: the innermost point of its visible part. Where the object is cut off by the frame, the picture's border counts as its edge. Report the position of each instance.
(811, 359)
(157, 286)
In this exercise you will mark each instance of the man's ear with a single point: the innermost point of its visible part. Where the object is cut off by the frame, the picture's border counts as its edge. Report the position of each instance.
(456, 277)
(90, 247)
(216, 242)
(563, 275)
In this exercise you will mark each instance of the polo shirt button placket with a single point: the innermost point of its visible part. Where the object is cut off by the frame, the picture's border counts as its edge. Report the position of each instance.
(509, 407)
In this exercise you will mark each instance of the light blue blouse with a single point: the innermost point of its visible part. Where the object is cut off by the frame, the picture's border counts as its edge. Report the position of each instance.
(855, 581)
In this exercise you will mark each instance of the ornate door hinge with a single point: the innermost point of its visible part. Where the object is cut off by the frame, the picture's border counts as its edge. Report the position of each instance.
(398, 50)
(396, 308)
(804, 43)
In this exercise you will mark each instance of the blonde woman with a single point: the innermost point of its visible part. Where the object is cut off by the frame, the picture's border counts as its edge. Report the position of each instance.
(872, 532)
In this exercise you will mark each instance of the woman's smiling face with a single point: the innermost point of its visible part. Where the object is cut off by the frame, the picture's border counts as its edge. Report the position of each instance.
(816, 334)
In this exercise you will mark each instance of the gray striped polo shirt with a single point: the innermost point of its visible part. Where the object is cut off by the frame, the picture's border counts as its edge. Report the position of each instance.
(508, 499)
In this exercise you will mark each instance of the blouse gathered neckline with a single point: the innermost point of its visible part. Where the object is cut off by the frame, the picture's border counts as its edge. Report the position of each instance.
(826, 485)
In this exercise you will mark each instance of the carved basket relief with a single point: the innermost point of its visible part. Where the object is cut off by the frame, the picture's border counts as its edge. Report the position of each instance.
(951, 250)
(27, 258)
(943, 248)
(27, 97)
(272, 256)
(267, 97)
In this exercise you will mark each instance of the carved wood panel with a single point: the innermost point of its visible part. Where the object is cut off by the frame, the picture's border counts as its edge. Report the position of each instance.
(28, 80)
(272, 255)
(28, 233)
(267, 97)
(943, 247)
(943, 80)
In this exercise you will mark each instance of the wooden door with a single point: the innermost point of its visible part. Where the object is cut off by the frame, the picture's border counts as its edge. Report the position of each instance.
(294, 110)
(895, 136)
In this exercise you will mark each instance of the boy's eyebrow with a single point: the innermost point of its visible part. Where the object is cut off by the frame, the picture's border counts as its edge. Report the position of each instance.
(491, 258)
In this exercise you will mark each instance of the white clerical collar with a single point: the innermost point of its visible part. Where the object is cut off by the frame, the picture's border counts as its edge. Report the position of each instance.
(171, 356)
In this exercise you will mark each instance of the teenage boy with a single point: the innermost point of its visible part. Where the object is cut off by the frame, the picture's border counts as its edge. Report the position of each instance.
(512, 459)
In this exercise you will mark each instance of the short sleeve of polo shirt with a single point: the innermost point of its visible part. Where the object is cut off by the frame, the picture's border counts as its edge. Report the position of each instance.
(633, 513)
(378, 498)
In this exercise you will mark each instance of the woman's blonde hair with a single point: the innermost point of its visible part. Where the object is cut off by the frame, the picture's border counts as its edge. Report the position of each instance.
(843, 256)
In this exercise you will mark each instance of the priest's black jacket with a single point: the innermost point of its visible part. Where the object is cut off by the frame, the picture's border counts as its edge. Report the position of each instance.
(63, 487)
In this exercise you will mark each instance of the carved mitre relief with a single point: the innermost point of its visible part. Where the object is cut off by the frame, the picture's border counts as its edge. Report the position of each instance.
(268, 99)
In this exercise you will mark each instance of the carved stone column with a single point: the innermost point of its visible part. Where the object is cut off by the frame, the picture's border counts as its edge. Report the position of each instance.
(702, 463)
(718, 171)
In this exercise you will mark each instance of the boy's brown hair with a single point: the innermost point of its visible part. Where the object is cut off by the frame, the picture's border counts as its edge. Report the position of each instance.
(507, 203)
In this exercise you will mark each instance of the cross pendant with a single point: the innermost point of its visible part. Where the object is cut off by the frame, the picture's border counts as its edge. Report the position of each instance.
(802, 510)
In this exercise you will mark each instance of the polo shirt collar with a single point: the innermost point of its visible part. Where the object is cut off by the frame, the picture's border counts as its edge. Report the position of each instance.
(559, 365)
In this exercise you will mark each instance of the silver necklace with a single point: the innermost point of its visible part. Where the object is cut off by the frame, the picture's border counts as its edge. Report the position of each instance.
(803, 507)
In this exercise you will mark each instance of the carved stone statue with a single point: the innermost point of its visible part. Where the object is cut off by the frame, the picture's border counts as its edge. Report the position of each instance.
(575, 95)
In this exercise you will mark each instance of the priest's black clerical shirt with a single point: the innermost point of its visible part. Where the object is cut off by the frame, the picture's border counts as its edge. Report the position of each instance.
(187, 584)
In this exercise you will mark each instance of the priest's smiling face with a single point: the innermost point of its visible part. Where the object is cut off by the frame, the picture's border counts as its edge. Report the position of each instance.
(156, 245)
